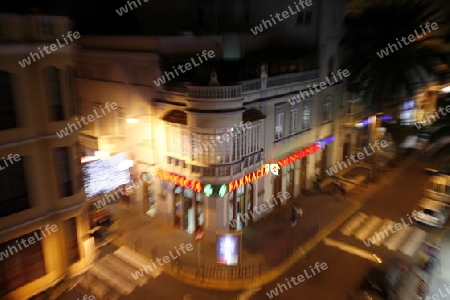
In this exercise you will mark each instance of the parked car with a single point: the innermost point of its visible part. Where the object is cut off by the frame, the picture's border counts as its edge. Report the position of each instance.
(382, 281)
(438, 188)
(431, 212)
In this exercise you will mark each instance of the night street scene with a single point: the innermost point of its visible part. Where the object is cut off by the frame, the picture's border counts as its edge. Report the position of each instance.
(225, 149)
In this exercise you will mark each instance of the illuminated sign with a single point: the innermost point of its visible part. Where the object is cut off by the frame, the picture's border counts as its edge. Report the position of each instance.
(272, 168)
(222, 190)
(180, 180)
(208, 190)
(250, 177)
(299, 155)
(228, 248)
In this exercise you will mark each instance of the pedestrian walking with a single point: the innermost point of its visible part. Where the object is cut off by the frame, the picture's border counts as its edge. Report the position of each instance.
(296, 212)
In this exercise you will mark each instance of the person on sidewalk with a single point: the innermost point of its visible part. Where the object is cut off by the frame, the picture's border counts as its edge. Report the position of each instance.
(295, 213)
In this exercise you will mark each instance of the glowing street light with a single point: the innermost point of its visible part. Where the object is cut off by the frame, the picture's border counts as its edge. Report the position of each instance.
(132, 120)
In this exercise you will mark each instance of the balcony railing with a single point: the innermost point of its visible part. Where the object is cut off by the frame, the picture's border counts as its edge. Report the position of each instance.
(239, 89)
(216, 92)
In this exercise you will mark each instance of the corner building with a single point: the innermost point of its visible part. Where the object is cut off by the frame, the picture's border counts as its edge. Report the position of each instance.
(210, 171)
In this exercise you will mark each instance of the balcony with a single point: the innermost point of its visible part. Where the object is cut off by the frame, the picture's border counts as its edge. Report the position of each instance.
(242, 88)
(214, 92)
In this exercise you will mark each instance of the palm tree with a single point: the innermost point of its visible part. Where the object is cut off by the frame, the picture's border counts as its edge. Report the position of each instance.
(404, 69)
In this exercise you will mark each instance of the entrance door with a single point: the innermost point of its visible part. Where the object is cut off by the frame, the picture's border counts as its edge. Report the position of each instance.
(177, 207)
(188, 211)
(249, 200)
(290, 171)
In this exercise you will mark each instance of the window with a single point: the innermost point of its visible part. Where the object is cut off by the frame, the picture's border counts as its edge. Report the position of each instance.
(45, 28)
(304, 18)
(72, 102)
(14, 190)
(293, 121)
(306, 120)
(73, 253)
(279, 121)
(54, 96)
(327, 109)
(8, 118)
(23, 265)
(63, 175)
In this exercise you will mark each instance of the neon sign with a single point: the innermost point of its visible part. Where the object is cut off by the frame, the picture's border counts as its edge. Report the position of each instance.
(250, 177)
(180, 180)
(299, 155)
(273, 168)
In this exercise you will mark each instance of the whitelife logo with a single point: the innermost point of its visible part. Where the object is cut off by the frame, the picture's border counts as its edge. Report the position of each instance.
(319, 268)
(91, 118)
(166, 259)
(162, 80)
(379, 236)
(27, 61)
(385, 52)
(323, 85)
(285, 14)
(31, 240)
(335, 169)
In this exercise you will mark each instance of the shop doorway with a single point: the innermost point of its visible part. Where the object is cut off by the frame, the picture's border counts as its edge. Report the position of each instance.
(290, 173)
(240, 207)
(177, 206)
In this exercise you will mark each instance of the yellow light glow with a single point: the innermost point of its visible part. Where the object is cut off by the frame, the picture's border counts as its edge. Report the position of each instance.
(133, 121)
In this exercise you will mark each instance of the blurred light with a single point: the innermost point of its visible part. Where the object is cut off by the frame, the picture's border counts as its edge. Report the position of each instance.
(133, 121)
(446, 89)
(377, 258)
(102, 154)
(125, 164)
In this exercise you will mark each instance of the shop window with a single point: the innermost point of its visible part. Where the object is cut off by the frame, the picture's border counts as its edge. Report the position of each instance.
(23, 265)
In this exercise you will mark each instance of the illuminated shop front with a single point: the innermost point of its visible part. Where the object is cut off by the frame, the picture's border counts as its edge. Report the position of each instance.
(188, 201)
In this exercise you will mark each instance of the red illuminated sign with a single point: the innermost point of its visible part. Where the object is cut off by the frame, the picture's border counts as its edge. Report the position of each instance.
(180, 180)
(247, 179)
(264, 171)
(299, 155)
